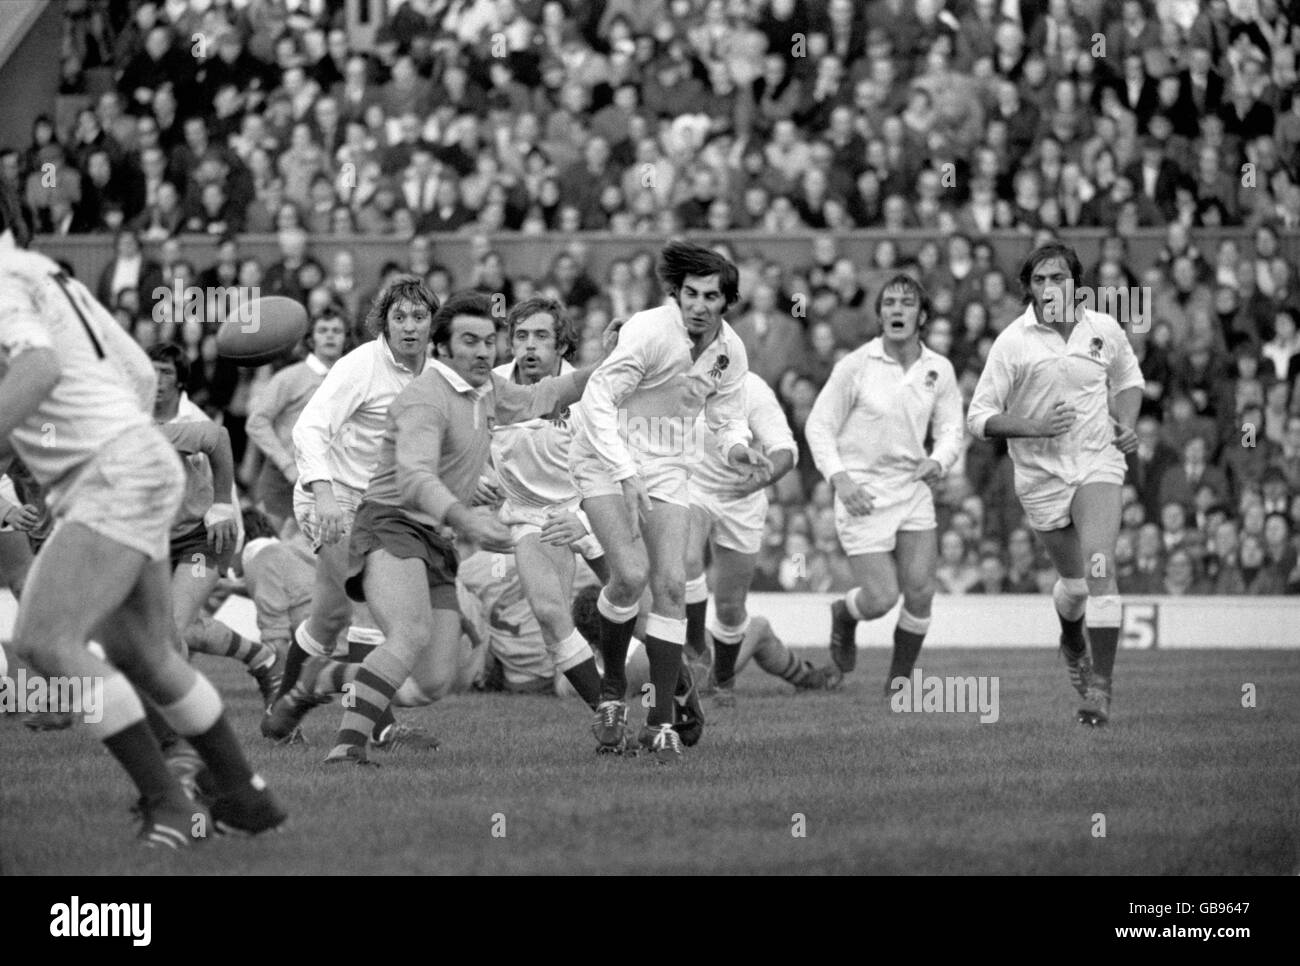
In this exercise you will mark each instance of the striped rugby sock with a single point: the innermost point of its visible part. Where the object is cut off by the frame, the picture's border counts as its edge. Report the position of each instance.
(374, 684)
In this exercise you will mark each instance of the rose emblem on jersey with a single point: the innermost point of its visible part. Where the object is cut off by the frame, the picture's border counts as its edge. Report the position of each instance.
(1094, 347)
(561, 418)
(719, 366)
(931, 379)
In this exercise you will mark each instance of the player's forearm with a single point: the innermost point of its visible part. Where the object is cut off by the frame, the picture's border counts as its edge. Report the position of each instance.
(31, 378)
(261, 430)
(1006, 426)
(222, 459)
(782, 463)
(1126, 406)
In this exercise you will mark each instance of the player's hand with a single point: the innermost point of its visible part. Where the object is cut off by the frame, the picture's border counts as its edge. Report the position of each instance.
(1060, 420)
(756, 466)
(636, 501)
(483, 528)
(487, 493)
(609, 337)
(1125, 439)
(563, 529)
(22, 518)
(928, 471)
(219, 521)
(854, 496)
(329, 520)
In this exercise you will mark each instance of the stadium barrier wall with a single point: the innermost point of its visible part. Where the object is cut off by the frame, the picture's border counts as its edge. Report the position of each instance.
(531, 255)
(1011, 620)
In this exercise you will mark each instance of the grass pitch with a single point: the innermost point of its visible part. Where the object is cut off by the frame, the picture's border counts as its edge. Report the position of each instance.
(1184, 780)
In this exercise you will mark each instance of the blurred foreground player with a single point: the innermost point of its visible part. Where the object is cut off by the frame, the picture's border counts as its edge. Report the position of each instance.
(1063, 385)
(76, 396)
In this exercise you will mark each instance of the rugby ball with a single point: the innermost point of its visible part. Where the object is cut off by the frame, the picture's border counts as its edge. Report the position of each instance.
(261, 330)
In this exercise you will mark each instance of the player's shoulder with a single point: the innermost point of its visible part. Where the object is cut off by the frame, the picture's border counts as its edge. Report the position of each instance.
(939, 364)
(1104, 324)
(23, 275)
(649, 323)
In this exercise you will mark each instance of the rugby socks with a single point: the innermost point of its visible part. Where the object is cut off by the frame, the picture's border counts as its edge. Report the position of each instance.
(697, 606)
(299, 651)
(198, 716)
(1103, 619)
(163, 732)
(909, 635)
(1070, 595)
(851, 604)
(362, 642)
(664, 639)
(727, 639)
(376, 681)
(208, 636)
(128, 737)
(616, 626)
(585, 678)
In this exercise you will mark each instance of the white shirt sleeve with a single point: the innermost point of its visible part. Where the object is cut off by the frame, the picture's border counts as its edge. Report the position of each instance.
(20, 319)
(830, 410)
(1124, 371)
(613, 381)
(327, 411)
(994, 388)
(948, 427)
(767, 421)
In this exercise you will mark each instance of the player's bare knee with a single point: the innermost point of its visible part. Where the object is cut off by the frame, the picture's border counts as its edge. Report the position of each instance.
(732, 613)
(917, 597)
(876, 603)
(554, 619)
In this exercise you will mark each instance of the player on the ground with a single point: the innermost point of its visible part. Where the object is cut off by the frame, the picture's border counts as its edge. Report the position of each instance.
(631, 459)
(434, 450)
(759, 643)
(531, 463)
(271, 420)
(336, 444)
(1063, 385)
(727, 514)
(75, 401)
(867, 433)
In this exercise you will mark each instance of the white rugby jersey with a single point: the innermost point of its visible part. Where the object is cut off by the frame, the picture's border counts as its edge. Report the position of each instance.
(106, 386)
(531, 458)
(711, 472)
(641, 402)
(338, 435)
(1031, 367)
(871, 417)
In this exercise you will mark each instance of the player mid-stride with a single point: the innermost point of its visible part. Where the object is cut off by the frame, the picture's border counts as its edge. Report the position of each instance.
(631, 459)
(75, 401)
(867, 434)
(1063, 385)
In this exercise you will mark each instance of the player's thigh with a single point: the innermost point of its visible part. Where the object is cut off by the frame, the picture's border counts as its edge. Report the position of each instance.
(625, 554)
(192, 585)
(1096, 511)
(330, 605)
(876, 575)
(15, 561)
(546, 575)
(916, 556)
(75, 565)
(138, 635)
(1062, 546)
(397, 590)
(665, 532)
(700, 525)
(733, 572)
(437, 663)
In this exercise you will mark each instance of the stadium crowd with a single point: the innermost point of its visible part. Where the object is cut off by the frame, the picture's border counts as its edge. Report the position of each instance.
(652, 117)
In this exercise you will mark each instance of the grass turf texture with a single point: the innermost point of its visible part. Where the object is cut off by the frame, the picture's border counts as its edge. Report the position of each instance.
(1188, 780)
